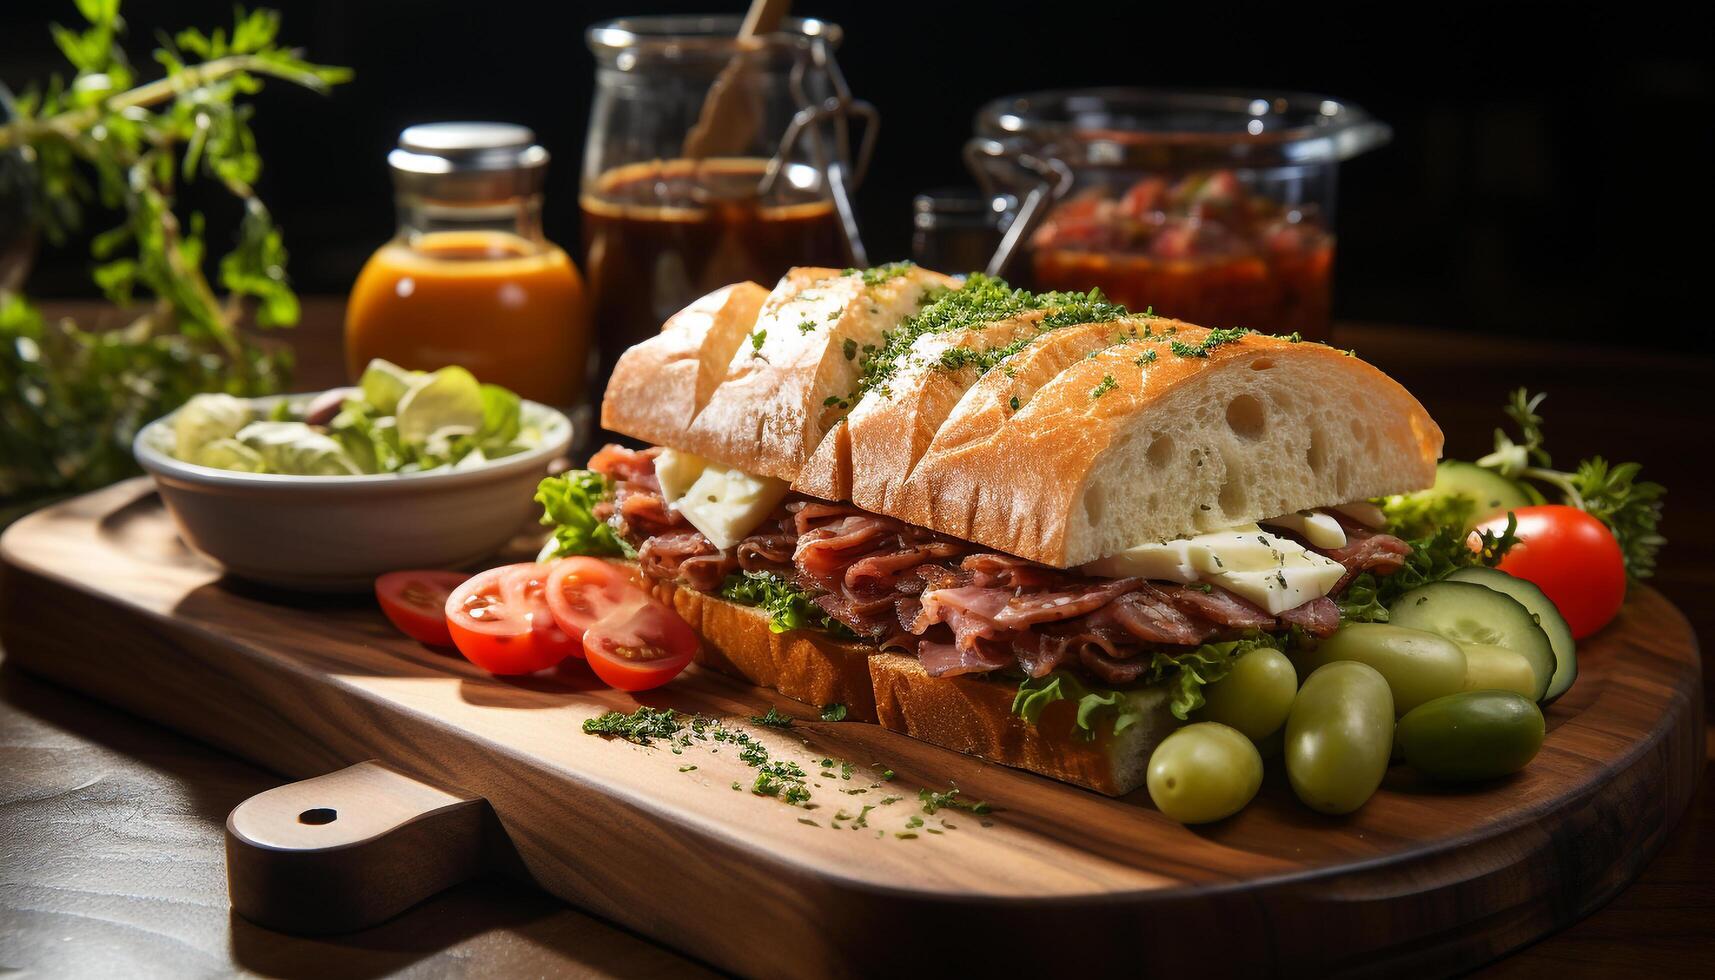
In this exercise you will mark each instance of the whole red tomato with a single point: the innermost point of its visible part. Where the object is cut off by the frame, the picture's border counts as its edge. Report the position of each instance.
(1572, 557)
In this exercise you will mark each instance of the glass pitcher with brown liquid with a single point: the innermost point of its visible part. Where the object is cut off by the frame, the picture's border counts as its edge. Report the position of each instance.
(668, 217)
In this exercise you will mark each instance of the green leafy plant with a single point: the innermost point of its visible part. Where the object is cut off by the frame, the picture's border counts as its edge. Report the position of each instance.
(1612, 494)
(72, 399)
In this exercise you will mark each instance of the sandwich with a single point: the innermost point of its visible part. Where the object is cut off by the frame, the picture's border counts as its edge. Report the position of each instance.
(1024, 526)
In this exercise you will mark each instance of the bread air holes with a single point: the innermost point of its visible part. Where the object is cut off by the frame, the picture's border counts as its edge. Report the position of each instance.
(1262, 364)
(1160, 451)
(1095, 505)
(1316, 457)
(1246, 417)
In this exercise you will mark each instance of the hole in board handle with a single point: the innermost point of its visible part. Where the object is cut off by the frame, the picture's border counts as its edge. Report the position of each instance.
(319, 815)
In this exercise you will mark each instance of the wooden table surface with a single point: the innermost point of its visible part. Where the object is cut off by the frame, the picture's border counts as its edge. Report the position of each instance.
(111, 846)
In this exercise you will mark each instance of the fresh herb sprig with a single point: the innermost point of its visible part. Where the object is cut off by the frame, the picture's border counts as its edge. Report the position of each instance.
(70, 399)
(1631, 508)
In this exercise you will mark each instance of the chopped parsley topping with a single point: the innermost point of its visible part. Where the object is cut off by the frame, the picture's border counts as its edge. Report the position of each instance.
(1147, 357)
(1104, 386)
(1014, 403)
(933, 801)
(756, 341)
(641, 726)
(983, 299)
(807, 326)
(834, 712)
(1215, 338)
(849, 348)
(882, 273)
(774, 719)
(788, 607)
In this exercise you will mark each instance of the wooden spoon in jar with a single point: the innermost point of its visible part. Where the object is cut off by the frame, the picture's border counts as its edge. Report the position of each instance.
(729, 116)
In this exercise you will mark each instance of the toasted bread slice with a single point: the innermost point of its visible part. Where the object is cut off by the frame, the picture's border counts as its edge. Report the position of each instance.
(891, 427)
(805, 665)
(1117, 440)
(790, 382)
(660, 385)
(974, 715)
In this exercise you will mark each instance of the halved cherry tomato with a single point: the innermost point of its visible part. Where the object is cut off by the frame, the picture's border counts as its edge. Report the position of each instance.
(639, 645)
(495, 624)
(1572, 557)
(416, 602)
(527, 586)
(581, 591)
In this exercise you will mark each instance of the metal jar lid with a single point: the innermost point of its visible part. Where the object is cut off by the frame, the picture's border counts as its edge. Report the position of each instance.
(468, 161)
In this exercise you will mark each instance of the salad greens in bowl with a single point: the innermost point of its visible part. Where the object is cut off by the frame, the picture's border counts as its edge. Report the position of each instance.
(408, 469)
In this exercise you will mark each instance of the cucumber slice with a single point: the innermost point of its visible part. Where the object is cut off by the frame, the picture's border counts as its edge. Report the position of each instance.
(1547, 617)
(1492, 492)
(1466, 612)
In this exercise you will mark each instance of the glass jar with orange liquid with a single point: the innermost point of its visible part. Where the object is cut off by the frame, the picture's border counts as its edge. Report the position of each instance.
(469, 279)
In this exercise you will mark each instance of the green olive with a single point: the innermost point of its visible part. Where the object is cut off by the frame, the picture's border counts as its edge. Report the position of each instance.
(1204, 772)
(1473, 735)
(1339, 736)
(1491, 668)
(1418, 666)
(1255, 695)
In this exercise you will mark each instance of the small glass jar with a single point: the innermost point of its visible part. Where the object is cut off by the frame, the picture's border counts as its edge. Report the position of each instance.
(766, 186)
(956, 229)
(1216, 208)
(469, 278)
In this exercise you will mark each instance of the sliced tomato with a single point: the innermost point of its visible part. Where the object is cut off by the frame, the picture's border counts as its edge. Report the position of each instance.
(581, 591)
(416, 602)
(1572, 557)
(495, 626)
(527, 586)
(639, 645)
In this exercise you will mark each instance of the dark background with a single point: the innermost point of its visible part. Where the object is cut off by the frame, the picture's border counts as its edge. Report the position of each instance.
(1550, 168)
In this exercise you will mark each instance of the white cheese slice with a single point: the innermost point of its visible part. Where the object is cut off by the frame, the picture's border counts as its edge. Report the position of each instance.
(1164, 561)
(1321, 530)
(676, 471)
(728, 504)
(1273, 572)
(1364, 512)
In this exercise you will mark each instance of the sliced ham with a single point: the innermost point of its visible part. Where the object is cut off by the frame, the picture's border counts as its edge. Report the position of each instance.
(951, 660)
(664, 554)
(882, 570)
(1218, 606)
(1046, 607)
(1318, 617)
(1150, 616)
(766, 552)
(1112, 670)
(623, 465)
(1368, 551)
(995, 570)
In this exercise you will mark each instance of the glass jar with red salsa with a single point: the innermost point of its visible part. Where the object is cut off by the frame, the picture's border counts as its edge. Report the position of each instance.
(1214, 208)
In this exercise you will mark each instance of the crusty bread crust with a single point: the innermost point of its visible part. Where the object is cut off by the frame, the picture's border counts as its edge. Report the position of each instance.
(1116, 441)
(890, 428)
(974, 716)
(658, 387)
(802, 664)
(773, 406)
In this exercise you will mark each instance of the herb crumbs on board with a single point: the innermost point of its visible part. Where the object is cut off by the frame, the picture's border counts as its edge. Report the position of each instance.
(834, 712)
(773, 719)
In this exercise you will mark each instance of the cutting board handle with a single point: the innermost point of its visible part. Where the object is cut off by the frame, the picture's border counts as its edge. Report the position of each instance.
(347, 850)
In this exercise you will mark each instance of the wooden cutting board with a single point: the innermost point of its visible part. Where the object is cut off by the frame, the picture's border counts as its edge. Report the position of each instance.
(99, 594)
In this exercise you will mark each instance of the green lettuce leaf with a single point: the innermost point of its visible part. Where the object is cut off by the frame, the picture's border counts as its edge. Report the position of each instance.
(788, 607)
(568, 505)
(1432, 559)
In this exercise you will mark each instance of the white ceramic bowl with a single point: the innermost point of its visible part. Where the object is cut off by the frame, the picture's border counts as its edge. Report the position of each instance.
(337, 533)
